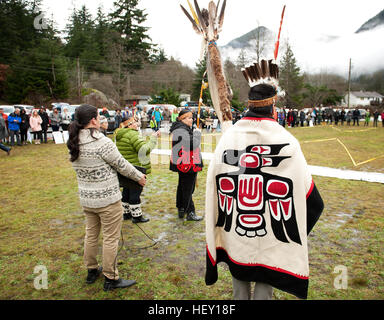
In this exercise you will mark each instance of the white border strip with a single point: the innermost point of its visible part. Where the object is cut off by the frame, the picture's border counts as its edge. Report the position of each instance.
(315, 170)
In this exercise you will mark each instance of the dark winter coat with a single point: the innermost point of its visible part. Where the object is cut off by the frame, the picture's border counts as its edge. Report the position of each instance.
(186, 154)
(44, 116)
(24, 125)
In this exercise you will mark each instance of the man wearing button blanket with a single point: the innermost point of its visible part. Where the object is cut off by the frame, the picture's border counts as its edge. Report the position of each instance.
(261, 200)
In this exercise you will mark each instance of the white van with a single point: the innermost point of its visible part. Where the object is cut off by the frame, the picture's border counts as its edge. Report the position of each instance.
(28, 109)
(8, 109)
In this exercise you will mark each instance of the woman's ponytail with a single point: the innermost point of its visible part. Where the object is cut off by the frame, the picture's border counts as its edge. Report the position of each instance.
(83, 115)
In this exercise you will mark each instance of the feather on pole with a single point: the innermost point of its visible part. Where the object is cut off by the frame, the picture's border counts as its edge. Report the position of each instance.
(200, 17)
(221, 17)
(217, 10)
(193, 13)
(194, 24)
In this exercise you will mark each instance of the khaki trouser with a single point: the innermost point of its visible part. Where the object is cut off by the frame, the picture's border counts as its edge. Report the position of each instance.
(110, 220)
(242, 290)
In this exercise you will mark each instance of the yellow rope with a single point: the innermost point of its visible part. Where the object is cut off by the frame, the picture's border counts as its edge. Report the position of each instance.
(346, 149)
(322, 140)
(369, 160)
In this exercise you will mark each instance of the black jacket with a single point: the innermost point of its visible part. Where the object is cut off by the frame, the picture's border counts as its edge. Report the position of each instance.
(24, 125)
(186, 154)
(44, 116)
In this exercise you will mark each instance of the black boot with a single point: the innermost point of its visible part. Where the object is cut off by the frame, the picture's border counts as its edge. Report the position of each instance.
(137, 214)
(93, 274)
(110, 284)
(140, 219)
(181, 212)
(193, 217)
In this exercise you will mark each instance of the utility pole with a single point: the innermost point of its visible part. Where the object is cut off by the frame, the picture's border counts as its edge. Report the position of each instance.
(53, 70)
(349, 83)
(78, 79)
(51, 51)
(119, 76)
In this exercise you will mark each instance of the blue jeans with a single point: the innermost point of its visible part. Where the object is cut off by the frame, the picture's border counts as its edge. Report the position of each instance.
(4, 148)
(12, 134)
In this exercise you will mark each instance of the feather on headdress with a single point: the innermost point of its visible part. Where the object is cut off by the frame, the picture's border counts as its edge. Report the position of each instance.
(265, 72)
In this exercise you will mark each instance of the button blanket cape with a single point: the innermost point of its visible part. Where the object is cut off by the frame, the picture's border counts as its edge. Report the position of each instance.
(258, 184)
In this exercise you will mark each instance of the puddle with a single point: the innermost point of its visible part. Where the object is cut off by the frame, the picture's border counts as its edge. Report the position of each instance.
(161, 238)
(57, 222)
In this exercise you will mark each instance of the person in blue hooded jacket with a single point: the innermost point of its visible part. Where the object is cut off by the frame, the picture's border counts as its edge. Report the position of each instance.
(158, 116)
(14, 121)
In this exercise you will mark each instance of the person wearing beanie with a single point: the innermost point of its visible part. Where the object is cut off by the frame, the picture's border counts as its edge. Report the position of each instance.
(187, 161)
(261, 202)
(137, 151)
(103, 125)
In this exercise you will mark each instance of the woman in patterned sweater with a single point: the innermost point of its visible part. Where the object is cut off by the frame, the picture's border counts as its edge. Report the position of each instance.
(96, 161)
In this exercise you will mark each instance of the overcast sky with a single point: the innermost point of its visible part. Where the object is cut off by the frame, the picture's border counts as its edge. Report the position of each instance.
(304, 22)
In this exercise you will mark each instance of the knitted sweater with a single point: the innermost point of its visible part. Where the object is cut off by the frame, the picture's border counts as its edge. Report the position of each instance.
(96, 169)
(261, 203)
(134, 148)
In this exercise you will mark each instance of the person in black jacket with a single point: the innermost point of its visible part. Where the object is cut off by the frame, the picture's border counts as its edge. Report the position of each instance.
(44, 126)
(356, 116)
(24, 125)
(302, 118)
(187, 161)
(342, 116)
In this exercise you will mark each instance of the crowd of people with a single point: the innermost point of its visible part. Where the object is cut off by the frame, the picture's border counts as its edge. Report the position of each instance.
(315, 116)
(19, 127)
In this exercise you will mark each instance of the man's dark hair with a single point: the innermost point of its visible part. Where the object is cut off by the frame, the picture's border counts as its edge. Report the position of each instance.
(262, 92)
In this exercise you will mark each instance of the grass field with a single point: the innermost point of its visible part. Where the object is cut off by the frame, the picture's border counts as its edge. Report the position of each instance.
(41, 223)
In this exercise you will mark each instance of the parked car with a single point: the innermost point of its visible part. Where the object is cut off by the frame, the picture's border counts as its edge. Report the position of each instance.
(60, 106)
(8, 109)
(28, 109)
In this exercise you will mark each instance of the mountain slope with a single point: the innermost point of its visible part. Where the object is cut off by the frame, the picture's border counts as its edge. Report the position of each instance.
(372, 23)
(245, 40)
